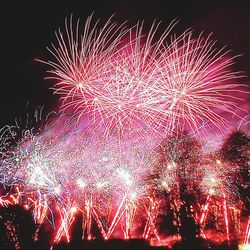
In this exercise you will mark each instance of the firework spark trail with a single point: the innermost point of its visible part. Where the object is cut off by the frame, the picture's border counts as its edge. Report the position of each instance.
(10, 198)
(5, 202)
(84, 224)
(103, 232)
(247, 233)
(40, 211)
(204, 213)
(236, 219)
(219, 181)
(117, 217)
(89, 208)
(226, 216)
(67, 216)
(204, 209)
(127, 222)
(130, 209)
(177, 217)
(151, 217)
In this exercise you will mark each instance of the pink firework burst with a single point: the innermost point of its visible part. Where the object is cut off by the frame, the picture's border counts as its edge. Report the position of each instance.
(81, 59)
(123, 81)
(197, 84)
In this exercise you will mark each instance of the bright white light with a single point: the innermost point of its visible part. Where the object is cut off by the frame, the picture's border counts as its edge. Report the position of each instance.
(73, 209)
(213, 180)
(80, 183)
(57, 190)
(164, 184)
(80, 85)
(244, 247)
(169, 166)
(212, 191)
(218, 161)
(125, 176)
(100, 185)
(133, 195)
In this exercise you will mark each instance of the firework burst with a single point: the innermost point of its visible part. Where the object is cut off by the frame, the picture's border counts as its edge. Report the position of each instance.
(197, 84)
(128, 82)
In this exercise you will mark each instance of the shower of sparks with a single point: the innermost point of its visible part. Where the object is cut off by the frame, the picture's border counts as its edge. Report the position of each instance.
(141, 102)
(124, 81)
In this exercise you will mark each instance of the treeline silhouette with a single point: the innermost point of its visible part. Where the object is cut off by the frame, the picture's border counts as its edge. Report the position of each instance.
(17, 230)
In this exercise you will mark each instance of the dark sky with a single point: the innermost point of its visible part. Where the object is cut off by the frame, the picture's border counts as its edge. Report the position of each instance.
(28, 27)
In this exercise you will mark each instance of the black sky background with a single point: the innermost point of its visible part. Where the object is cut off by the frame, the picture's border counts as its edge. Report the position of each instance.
(27, 27)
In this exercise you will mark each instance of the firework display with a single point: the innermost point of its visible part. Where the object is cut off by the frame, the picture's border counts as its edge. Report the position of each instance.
(140, 82)
(126, 147)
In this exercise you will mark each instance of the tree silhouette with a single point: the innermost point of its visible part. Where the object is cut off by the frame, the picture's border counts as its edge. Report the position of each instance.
(236, 150)
(185, 153)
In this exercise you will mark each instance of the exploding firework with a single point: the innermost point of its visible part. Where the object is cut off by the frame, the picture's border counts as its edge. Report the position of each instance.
(58, 177)
(135, 82)
(50, 173)
(133, 95)
(197, 84)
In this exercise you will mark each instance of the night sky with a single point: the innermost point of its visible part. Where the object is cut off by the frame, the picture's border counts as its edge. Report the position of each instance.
(28, 27)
